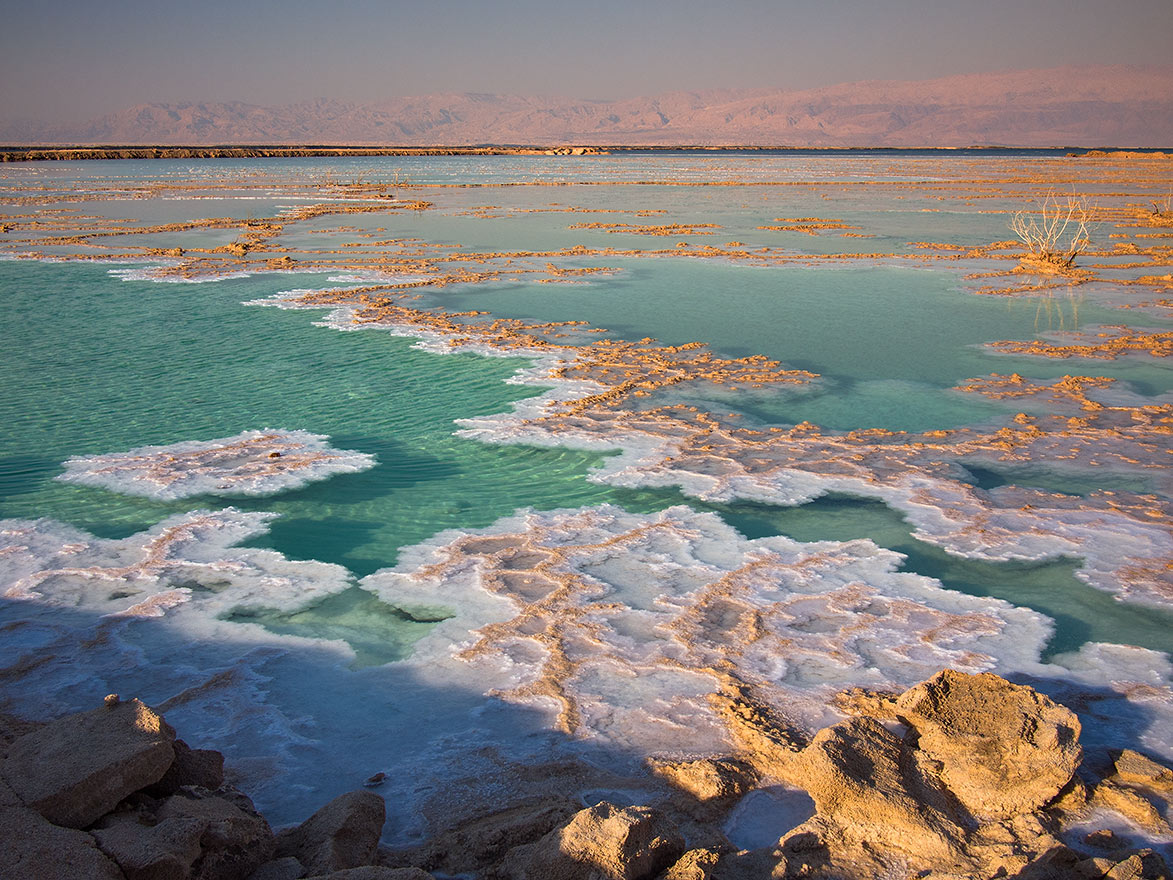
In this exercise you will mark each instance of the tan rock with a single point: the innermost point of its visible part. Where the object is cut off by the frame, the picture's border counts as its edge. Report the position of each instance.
(33, 849)
(1136, 768)
(603, 842)
(696, 864)
(342, 834)
(709, 779)
(1003, 748)
(1144, 865)
(1131, 805)
(163, 851)
(862, 779)
(234, 839)
(77, 768)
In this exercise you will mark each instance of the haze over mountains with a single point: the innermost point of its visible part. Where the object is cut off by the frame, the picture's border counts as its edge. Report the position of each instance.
(1090, 106)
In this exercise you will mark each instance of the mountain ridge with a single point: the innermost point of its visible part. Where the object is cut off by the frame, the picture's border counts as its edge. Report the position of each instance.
(1086, 105)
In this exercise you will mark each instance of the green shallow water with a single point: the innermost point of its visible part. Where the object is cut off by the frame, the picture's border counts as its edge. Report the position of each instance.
(96, 364)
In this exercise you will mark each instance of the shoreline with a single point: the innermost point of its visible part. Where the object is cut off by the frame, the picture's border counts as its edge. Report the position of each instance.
(76, 152)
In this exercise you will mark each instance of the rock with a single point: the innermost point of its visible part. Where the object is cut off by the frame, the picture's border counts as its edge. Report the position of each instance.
(696, 864)
(1130, 805)
(287, 868)
(709, 779)
(1105, 838)
(863, 780)
(481, 842)
(202, 767)
(603, 842)
(33, 849)
(343, 834)
(234, 839)
(164, 851)
(75, 769)
(1135, 768)
(1004, 749)
(1144, 865)
(375, 872)
(757, 864)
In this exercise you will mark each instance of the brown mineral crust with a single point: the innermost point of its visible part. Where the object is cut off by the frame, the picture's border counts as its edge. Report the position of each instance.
(666, 229)
(1108, 345)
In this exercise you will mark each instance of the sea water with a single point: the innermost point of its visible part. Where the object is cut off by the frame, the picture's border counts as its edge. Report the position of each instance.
(306, 632)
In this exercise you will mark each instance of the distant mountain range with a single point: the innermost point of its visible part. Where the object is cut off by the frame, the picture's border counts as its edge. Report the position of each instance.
(1068, 106)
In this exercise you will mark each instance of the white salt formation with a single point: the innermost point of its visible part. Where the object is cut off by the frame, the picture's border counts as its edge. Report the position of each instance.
(251, 463)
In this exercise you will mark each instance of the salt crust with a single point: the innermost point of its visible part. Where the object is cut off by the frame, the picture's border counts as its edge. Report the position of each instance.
(250, 463)
(614, 628)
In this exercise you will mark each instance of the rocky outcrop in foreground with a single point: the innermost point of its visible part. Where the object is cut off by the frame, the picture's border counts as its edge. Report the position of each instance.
(962, 776)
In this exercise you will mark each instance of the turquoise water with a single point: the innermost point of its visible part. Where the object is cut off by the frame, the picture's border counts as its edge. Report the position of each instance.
(93, 363)
(132, 363)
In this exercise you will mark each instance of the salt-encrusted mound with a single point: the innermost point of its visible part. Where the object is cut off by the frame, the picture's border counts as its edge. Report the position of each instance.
(251, 463)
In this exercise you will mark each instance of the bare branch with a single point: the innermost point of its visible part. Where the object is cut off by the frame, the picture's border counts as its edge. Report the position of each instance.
(1057, 234)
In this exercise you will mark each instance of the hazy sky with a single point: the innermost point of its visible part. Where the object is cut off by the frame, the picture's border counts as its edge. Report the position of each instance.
(75, 59)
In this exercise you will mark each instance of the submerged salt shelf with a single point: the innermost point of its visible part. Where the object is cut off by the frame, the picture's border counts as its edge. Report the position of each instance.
(250, 463)
(516, 580)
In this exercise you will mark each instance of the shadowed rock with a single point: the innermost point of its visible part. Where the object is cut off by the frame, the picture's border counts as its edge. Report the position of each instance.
(343, 834)
(34, 849)
(234, 839)
(202, 767)
(75, 769)
(600, 843)
(163, 851)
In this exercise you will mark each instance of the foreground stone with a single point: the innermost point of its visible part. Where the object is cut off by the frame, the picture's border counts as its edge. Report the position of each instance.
(1004, 749)
(32, 848)
(343, 834)
(234, 839)
(603, 842)
(75, 769)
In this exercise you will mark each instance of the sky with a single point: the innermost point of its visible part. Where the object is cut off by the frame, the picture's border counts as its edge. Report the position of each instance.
(73, 60)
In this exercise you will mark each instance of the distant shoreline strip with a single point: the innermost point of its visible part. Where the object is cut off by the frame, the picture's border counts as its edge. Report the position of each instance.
(74, 153)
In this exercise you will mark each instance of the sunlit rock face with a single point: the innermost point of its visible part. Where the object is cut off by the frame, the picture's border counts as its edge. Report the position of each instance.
(251, 463)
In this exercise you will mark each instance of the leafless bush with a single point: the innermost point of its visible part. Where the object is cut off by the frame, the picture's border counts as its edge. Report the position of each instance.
(1056, 234)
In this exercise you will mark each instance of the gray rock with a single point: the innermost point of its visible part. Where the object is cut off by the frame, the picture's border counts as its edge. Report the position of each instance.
(202, 767)
(163, 851)
(375, 872)
(234, 839)
(287, 868)
(343, 834)
(33, 849)
(74, 770)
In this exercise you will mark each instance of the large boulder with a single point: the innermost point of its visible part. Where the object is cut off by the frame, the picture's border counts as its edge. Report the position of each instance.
(161, 851)
(234, 839)
(373, 872)
(603, 842)
(202, 767)
(719, 781)
(74, 770)
(343, 834)
(866, 783)
(1003, 749)
(33, 849)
